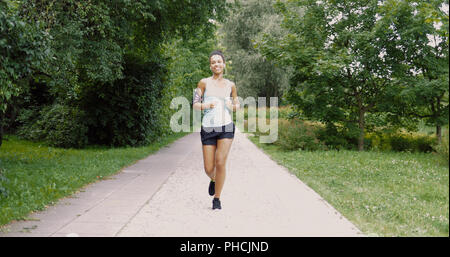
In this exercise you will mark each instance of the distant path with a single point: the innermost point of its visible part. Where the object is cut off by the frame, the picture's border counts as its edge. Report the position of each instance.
(166, 195)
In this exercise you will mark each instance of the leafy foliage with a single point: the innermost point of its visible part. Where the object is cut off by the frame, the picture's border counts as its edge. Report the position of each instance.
(401, 142)
(187, 63)
(59, 125)
(24, 48)
(297, 134)
(253, 73)
(125, 112)
(417, 34)
(346, 61)
(108, 64)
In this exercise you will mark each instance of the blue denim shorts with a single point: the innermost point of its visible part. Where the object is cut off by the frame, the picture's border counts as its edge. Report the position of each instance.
(210, 135)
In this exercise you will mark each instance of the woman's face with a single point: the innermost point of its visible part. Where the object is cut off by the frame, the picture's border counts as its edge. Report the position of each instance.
(216, 64)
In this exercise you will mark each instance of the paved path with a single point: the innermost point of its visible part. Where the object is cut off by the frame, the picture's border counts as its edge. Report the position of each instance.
(166, 195)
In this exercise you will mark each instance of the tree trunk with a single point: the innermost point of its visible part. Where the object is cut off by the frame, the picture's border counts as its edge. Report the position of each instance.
(361, 130)
(439, 133)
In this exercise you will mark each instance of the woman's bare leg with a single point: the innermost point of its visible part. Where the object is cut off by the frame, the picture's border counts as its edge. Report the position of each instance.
(223, 148)
(209, 152)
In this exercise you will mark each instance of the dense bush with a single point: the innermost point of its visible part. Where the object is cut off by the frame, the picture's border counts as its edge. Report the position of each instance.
(400, 141)
(64, 126)
(58, 125)
(297, 134)
(125, 112)
(284, 112)
(28, 126)
(338, 137)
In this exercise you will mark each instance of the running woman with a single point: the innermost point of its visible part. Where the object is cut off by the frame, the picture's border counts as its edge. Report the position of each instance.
(217, 130)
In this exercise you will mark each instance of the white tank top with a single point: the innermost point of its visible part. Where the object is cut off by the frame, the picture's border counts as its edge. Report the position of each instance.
(220, 114)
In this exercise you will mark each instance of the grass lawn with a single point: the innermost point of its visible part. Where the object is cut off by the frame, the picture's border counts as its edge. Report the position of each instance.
(33, 176)
(382, 193)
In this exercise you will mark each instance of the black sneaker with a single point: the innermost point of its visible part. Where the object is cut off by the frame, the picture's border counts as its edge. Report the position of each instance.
(216, 204)
(212, 188)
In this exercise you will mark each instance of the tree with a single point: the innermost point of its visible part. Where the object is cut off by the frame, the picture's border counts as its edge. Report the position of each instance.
(418, 38)
(108, 69)
(344, 62)
(24, 48)
(252, 72)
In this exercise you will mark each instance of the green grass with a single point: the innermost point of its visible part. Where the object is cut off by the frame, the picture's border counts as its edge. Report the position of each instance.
(382, 193)
(33, 176)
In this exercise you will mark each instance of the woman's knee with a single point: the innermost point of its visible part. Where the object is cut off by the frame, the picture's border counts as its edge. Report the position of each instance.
(220, 162)
(209, 169)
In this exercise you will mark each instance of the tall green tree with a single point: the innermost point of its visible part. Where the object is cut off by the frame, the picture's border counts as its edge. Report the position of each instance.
(24, 49)
(92, 37)
(253, 73)
(344, 60)
(418, 37)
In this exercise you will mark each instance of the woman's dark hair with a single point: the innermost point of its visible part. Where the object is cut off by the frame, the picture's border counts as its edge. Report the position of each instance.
(217, 52)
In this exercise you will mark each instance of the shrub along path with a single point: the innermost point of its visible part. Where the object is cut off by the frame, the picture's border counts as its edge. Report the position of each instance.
(165, 194)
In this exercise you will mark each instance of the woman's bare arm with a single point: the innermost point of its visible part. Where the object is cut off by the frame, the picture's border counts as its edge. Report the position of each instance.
(198, 93)
(235, 106)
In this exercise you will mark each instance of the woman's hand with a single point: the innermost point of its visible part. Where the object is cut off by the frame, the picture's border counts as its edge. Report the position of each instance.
(211, 105)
